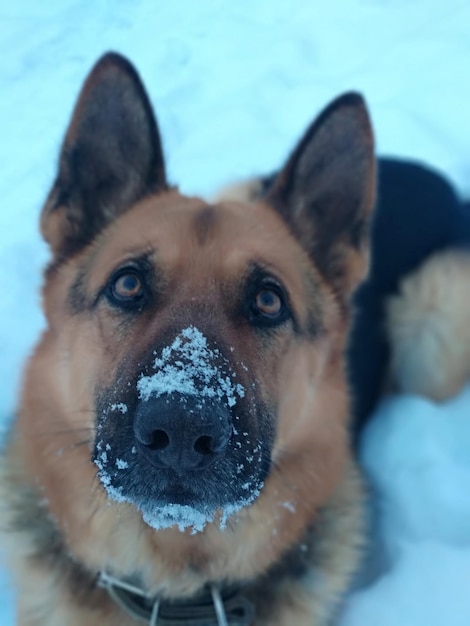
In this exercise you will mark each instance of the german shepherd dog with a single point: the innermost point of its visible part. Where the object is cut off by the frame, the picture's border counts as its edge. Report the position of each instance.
(181, 450)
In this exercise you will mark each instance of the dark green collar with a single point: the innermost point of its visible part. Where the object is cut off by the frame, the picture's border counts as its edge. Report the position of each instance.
(213, 607)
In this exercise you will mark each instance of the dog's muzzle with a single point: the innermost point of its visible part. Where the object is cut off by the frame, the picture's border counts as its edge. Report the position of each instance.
(213, 607)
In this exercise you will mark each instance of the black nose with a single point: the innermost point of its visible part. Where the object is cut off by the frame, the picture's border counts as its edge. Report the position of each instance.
(182, 432)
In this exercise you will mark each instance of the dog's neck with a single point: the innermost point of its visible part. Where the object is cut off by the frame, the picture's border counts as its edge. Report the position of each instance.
(215, 605)
(211, 606)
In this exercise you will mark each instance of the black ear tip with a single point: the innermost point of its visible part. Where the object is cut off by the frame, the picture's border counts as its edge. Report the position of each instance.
(112, 58)
(112, 61)
(351, 101)
(351, 108)
(114, 75)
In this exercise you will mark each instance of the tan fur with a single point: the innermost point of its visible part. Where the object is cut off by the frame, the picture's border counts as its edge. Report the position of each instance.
(428, 324)
(295, 547)
(242, 191)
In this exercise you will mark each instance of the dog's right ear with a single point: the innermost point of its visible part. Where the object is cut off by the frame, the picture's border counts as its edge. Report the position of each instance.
(111, 157)
(326, 192)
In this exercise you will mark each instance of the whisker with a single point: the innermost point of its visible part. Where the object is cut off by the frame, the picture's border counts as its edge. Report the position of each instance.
(96, 505)
(63, 431)
(80, 443)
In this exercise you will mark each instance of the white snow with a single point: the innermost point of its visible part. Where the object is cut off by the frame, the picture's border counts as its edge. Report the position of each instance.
(190, 368)
(419, 456)
(119, 406)
(289, 506)
(234, 85)
(189, 518)
(178, 515)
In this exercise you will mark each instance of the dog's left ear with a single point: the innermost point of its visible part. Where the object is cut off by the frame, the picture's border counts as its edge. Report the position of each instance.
(326, 192)
(111, 157)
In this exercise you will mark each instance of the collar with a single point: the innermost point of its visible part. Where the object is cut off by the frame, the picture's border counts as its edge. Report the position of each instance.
(212, 607)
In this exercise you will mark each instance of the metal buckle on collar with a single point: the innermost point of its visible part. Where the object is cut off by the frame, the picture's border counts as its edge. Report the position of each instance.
(213, 608)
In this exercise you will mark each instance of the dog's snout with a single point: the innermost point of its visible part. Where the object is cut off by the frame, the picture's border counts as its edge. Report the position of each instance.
(182, 433)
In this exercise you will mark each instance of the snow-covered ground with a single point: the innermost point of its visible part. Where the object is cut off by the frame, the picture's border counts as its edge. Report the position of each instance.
(234, 84)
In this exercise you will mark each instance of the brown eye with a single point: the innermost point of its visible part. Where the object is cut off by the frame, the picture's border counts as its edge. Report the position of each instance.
(128, 286)
(126, 289)
(268, 302)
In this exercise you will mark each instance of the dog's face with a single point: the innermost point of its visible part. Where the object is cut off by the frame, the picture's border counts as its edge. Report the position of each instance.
(201, 345)
(190, 313)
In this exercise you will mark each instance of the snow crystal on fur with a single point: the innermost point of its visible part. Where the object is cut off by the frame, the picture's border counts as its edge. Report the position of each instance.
(189, 367)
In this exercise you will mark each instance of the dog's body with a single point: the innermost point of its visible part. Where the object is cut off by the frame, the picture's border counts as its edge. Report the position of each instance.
(411, 311)
(418, 216)
(183, 424)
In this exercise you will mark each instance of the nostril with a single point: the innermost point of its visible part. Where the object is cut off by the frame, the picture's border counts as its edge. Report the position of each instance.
(207, 445)
(160, 440)
(204, 445)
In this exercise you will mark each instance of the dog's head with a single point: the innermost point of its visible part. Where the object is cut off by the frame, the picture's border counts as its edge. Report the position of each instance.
(200, 344)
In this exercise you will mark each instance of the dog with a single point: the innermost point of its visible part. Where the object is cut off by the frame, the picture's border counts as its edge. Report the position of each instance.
(181, 452)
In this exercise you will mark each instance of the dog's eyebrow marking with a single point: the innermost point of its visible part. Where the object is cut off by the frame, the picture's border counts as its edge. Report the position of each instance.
(315, 323)
(204, 224)
(77, 299)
